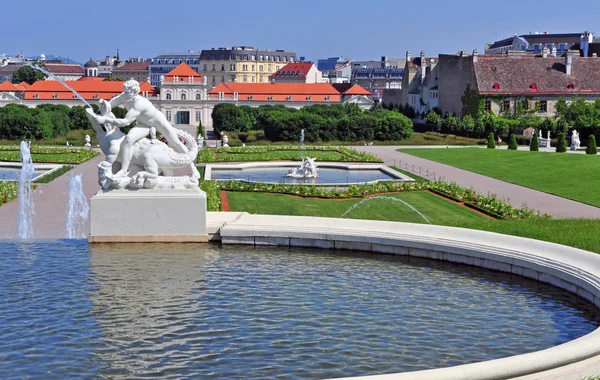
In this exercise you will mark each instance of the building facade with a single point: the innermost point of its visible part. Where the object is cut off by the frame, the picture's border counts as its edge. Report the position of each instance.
(163, 64)
(133, 70)
(242, 64)
(557, 44)
(65, 71)
(298, 72)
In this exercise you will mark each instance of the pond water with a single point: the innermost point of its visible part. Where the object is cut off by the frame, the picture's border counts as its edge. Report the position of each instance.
(327, 176)
(173, 311)
(13, 174)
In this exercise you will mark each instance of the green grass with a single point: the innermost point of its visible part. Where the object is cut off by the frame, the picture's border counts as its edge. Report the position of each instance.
(578, 233)
(75, 137)
(411, 175)
(54, 175)
(48, 155)
(573, 176)
(436, 209)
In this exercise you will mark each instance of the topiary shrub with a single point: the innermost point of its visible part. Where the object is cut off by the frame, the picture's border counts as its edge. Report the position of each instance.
(491, 142)
(591, 148)
(561, 145)
(535, 144)
(512, 145)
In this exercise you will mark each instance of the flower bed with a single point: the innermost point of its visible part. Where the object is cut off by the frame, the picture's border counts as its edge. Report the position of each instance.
(9, 190)
(48, 155)
(282, 152)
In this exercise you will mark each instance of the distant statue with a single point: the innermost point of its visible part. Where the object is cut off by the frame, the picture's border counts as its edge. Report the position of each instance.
(67, 143)
(540, 135)
(88, 141)
(548, 137)
(200, 141)
(224, 141)
(575, 143)
(307, 169)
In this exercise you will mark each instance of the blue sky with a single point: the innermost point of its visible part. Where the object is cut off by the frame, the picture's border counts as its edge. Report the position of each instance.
(314, 29)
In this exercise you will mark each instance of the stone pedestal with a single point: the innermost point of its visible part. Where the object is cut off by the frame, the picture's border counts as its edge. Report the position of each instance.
(142, 216)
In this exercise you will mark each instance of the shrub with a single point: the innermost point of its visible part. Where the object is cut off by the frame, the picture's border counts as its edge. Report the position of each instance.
(591, 148)
(535, 144)
(561, 145)
(512, 145)
(491, 142)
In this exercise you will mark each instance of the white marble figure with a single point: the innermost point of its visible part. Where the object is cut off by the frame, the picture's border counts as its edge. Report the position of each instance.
(575, 142)
(224, 141)
(200, 141)
(540, 135)
(307, 169)
(150, 162)
(88, 141)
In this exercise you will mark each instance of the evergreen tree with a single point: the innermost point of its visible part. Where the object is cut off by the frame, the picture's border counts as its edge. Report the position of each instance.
(591, 148)
(491, 142)
(512, 145)
(535, 144)
(561, 146)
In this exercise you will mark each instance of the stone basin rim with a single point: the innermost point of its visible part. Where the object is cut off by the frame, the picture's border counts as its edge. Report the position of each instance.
(572, 269)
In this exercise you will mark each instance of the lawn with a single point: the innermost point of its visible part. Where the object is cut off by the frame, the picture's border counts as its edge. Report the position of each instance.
(48, 155)
(285, 153)
(438, 210)
(578, 233)
(573, 176)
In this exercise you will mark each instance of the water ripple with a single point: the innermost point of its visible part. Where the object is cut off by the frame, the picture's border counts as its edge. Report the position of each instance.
(173, 311)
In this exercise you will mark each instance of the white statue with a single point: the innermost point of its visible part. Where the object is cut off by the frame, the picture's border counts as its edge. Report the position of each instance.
(88, 141)
(307, 169)
(200, 141)
(540, 135)
(140, 110)
(575, 142)
(224, 141)
(150, 162)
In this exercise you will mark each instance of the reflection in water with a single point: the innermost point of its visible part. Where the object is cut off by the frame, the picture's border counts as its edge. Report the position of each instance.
(173, 311)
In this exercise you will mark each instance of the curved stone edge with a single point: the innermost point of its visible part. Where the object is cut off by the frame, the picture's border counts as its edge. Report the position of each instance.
(572, 269)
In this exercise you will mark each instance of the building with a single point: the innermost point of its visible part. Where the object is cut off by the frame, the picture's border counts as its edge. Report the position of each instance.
(163, 64)
(65, 71)
(376, 80)
(328, 64)
(298, 72)
(295, 95)
(139, 71)
(51, 91)
(182, 92)
(557, 44)
(535, 82)
(242, 64)
(10, 93)
(7, 71)
(341, 73)
(91, 68)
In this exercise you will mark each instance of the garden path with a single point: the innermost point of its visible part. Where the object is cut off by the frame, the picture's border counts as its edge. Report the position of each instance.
(557, 206)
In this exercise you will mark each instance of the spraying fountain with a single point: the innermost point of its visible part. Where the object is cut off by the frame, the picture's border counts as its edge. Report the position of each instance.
(385, 198)
(308, 168)
(78, 209)
(26, 206)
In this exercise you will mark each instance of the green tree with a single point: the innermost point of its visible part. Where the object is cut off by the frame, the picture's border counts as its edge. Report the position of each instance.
(512, 145)
(535, 144)
(470, 102)
(591, 148)
(467, 124)
(561, 146)
(27, 74)
(434, 120)
(113, 78)
(491, 142)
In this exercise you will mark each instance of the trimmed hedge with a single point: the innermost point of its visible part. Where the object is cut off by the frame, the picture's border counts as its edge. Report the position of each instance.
(591, 148)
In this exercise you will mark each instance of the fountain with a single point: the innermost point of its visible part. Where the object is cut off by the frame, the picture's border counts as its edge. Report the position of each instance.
(308, 168)
(26, 206)
(78, 209)
(385, 198)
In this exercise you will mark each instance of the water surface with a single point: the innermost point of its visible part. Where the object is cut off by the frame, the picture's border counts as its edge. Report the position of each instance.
(173, 311)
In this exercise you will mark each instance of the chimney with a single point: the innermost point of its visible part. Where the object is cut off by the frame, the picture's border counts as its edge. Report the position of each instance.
(545, 52)
(407, 56)
(554, 51)
(475, 55)
(584, 42)
(568, 62)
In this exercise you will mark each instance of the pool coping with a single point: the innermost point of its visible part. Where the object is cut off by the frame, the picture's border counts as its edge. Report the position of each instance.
(294, 164)
(50, 168)
(572, 269)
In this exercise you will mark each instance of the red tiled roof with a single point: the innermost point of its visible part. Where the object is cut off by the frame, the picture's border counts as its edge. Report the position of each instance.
(23, 86)
(133, 66)
(8, 87)
(296, 70)
(65, 68)
(278, 91)
(356, 90)
(87, 89)
(82, 79)
(536, 75)
(183, 74)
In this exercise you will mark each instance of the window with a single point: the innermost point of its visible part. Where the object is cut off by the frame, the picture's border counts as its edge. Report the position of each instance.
(95, 96)
(233, 78)
(222, 78)
(260, 78)
(269, 67)
(232, 67)
(570, 86)
(168, 115)
(270, 97)
(488, 105)
(168, 96)
(261, 57)
(250, 97)
(245, 78)
(253, 67)
(261, 68)
(252, 78)
(198, 116)
(496, 86)
(543, 106)
(183, 97)
(204, 67)
(309, 98)
(327, 98)
(506, 105)
(285, 58)
(244, 67)
(214, 67)
(278, 58)
(198, 96)
(222, 67)
(289, 98)
(55, 96)
(253, 57)
(533, 87)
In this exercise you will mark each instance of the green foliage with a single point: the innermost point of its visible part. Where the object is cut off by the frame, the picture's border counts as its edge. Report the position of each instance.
(491, 143)
(41, 154)
(434, 119)
(470, 102)
(28, 75)
(535, 144)
(47, 178)
(9, 190)
(281, 152)
(561, 146)
(591, 146)
(201, 130)
(213, 195)
(112, 78)
(512, 145)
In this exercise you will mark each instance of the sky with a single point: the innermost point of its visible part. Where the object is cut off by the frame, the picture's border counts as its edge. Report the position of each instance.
(364, 30)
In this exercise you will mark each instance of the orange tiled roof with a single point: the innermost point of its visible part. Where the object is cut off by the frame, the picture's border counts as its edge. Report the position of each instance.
(183, 72)
(83, 79)
(90, 90)
(316, 92)
(356, 90)
(7, 86)
(23, 86)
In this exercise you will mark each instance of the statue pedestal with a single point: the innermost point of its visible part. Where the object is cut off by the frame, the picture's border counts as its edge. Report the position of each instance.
(148, 215)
